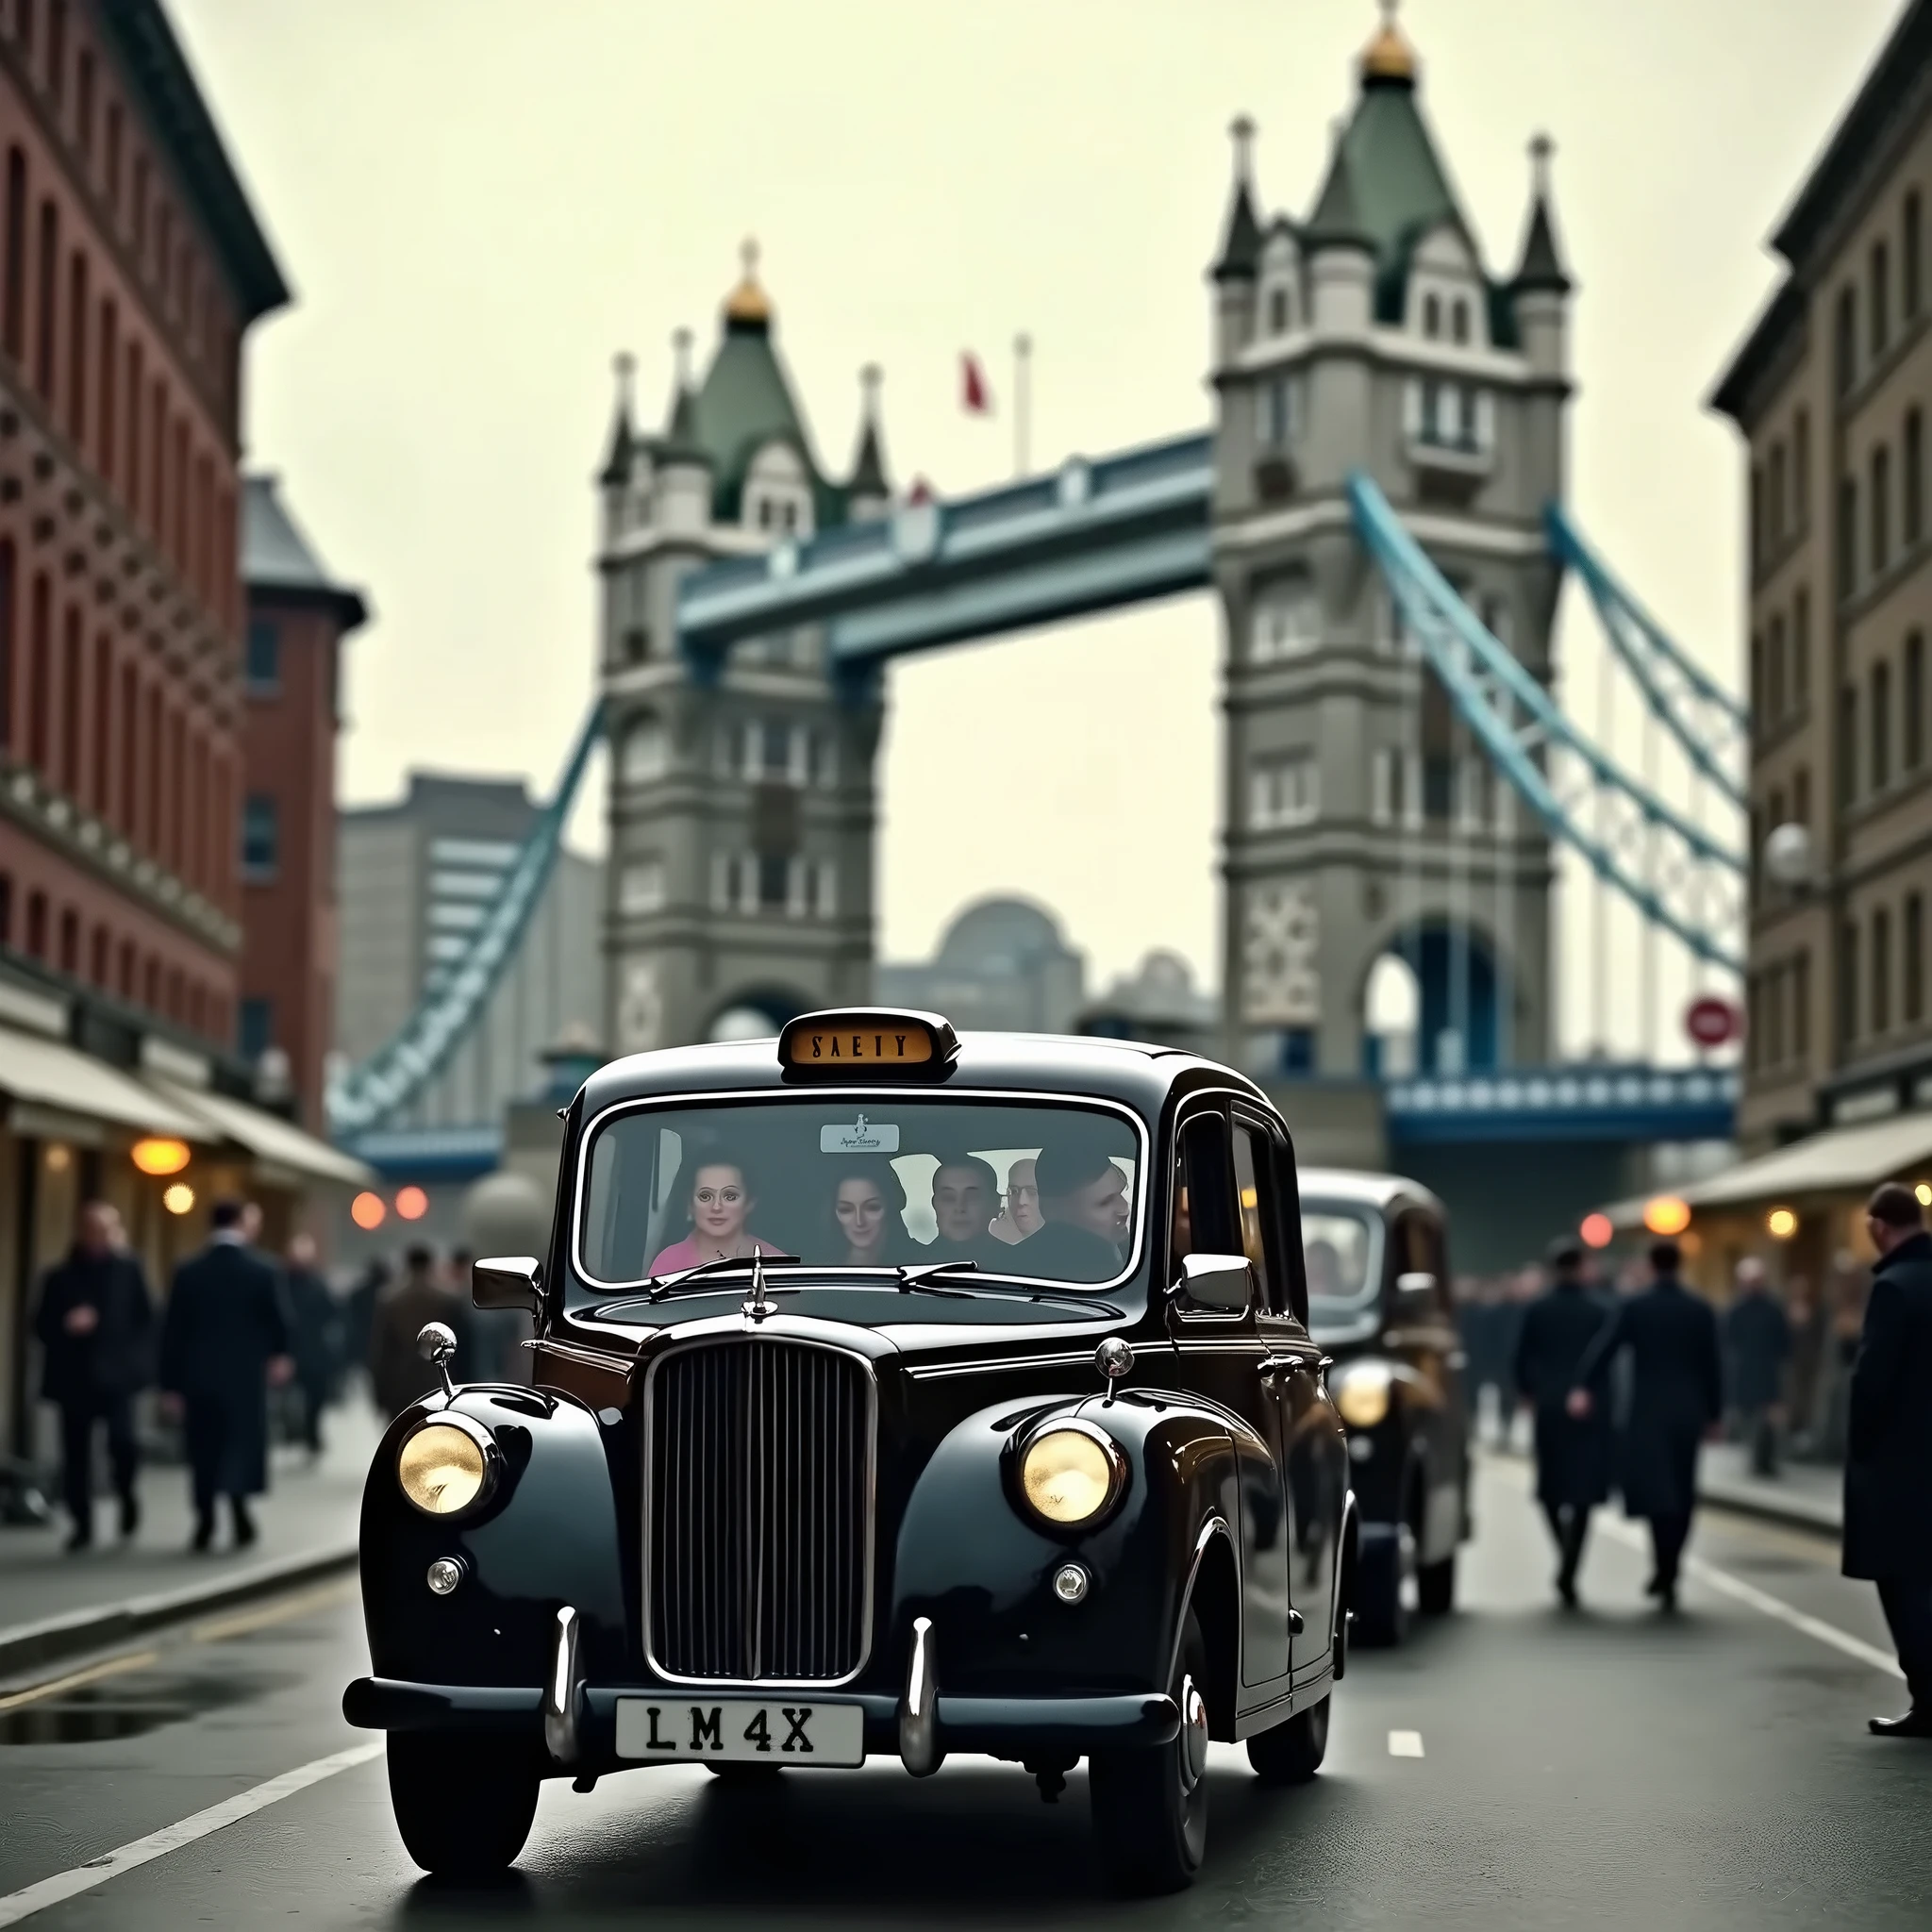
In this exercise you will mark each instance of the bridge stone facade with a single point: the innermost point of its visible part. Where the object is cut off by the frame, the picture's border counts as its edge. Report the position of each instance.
(741, 808)
(1358, 819)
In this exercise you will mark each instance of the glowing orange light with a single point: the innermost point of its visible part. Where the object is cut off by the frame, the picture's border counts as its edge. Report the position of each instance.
(1666, 1215)
(158, 1156)
(367, 1211)
(1781, 1223)
(177, 1199)
(413, 1203)
(1596, 1230)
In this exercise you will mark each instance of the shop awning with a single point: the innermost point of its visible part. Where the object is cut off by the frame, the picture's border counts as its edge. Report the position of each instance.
(47, 1076)
(278, 1147)
(1842, 1160)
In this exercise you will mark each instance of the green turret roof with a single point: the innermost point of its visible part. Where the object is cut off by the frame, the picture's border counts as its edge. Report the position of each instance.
(1337, 221)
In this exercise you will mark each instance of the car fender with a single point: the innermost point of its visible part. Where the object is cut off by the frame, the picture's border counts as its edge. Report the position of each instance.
(547, 1537)
(972, 1559)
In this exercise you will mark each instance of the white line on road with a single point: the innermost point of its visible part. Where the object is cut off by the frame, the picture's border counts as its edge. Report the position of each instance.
(21, 1905)
(1401, 1744)
(1762, 1601)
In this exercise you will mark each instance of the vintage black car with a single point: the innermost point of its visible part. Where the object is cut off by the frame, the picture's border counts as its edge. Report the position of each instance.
(1376, 1255)
(893, 1392)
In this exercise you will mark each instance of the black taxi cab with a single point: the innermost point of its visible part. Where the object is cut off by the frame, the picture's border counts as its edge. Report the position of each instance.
(1375, 1249)
(894, 1392)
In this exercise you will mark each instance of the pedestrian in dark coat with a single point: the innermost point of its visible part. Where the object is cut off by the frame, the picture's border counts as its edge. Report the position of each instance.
(1676, 1398)
(224, 1339)
(316, 1320)
(1757, 1345)
(397, 1370)
(1889, 1459)
(95, 1323)
(1573, 1453)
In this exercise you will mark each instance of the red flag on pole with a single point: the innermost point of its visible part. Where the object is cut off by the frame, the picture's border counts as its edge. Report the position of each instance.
(974, 398)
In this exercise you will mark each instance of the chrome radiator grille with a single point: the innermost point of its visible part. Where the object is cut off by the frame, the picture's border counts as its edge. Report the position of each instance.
(758, 1492)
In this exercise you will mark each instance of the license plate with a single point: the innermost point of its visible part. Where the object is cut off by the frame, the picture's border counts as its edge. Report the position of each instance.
(733, 1731)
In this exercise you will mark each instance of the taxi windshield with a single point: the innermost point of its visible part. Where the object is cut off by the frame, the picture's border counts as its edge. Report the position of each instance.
(1339, 1246)
(1038, 1191)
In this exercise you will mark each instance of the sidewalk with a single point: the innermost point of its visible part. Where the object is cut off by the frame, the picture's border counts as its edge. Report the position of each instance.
(52, 1604)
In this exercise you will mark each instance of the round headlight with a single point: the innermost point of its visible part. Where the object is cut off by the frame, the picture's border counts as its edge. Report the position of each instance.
(442, 1469)
(1363, 1397)
(1070, 1475)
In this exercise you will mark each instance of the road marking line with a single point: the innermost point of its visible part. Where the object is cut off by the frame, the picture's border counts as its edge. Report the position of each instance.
(17, 1905)
(1401, 1744)
(1763, 1602)
(112, 1667)
(240, 1624)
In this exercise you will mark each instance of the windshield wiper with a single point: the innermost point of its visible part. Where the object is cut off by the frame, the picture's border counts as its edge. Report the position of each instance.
(656, 1290)
(919, 1281)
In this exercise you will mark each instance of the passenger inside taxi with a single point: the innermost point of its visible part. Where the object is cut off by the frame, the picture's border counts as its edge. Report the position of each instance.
(965, 1191)
(1083, 1199)
(868, 1215)
(1018, 1214)
(719, 1207)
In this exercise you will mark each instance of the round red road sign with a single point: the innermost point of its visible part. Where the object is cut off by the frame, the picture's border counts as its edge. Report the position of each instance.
(1712, 1022)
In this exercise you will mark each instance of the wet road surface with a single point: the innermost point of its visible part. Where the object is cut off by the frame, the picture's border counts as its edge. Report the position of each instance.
(1512, 1767)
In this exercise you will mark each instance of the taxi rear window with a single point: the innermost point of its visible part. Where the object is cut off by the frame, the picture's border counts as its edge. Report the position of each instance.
(1041, 1190)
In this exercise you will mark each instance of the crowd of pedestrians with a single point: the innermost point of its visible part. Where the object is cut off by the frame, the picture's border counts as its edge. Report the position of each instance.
(243, 1340)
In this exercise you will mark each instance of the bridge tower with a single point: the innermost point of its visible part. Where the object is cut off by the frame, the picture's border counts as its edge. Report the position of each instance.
(738, 886)
(1361, 825)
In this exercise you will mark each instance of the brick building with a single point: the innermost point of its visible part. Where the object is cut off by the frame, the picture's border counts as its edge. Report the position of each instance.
(298, 618)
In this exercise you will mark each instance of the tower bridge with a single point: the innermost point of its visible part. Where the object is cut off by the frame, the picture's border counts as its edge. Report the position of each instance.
(1377, 505)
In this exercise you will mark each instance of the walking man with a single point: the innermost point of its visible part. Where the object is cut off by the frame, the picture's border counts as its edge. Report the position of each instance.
(317, 1335)
(1676, 1397)
(1757, 1338)
(1573, 1453)
(398, 1373)
(95, 1327)
(1889, 1457)
(224, 1339)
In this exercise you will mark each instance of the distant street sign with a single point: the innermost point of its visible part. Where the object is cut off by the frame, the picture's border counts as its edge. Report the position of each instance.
(1713, 1022)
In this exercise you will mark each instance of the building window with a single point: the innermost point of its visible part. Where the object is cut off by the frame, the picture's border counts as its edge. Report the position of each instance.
(1801, 649)
(646, 755)
(1847, 745)
(50, 274)
(1909, 268)
(1912, 483)
(13, 332)
(1759, 721)
(1800, 471)
(1881, 971)
(825, 890)
(264, 655)
(1275, 414)
(1847, 536)
(1283, 791)
(37, 925)
(1912, 964)
(1911, 717)
(1774, 673)
(255, 1027)
(1775, 508)
(773, 882)
(640, 887)
(1286, 621)
(1771, 1020)
(1881, 509)
(1801, 795)
(1458, 320)
(1432, 316)
(259, 837)
(1848, 983)
(1278, 312)
(1800, 1005)
(1845, 341)
(1880, 775)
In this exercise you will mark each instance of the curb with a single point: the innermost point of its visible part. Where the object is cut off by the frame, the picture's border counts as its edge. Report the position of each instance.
(28, 1645)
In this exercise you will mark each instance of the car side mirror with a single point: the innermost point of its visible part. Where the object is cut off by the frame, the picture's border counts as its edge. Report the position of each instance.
(1415, 1297)
(508, 1281)
(1222, 1282)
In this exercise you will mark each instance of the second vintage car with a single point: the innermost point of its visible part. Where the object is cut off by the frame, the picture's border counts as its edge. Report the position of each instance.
(893, 1392)
(1376, 1253)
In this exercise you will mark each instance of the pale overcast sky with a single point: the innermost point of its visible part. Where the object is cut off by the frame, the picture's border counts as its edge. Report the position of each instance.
(478, 201)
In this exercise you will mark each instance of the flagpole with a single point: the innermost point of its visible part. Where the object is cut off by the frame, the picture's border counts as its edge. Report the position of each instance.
(1022, 400)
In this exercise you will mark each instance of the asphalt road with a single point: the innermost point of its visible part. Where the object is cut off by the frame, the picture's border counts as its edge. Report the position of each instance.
(1605, 1768)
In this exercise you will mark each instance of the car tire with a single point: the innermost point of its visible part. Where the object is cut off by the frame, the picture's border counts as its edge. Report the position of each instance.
(1150, 1804)
(1435, 1587)
(1381, 1595)
(1291, 1753)
(464, 1804)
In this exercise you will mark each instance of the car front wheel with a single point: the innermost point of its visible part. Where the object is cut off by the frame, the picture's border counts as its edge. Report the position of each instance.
(1383, 1571)
(464, 1804)
(1150, 1805)
(1291, 1753)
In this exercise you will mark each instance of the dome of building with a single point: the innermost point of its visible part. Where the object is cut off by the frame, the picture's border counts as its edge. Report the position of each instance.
(1001, 933)
(748, 303)
(1389, 55)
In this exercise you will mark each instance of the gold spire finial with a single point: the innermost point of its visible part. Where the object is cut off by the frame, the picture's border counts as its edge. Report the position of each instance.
(748, 302)
(1389, 55)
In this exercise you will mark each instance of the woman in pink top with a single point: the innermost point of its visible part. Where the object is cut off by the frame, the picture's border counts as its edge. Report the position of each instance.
(721, 1203)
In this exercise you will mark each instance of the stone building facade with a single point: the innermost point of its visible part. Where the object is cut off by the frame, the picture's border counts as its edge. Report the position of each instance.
(1831, 393)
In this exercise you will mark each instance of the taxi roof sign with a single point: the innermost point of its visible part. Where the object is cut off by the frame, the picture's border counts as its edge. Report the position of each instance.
(869, 1039)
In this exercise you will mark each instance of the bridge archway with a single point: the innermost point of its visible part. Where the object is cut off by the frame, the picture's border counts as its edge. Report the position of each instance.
(1440, 996)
